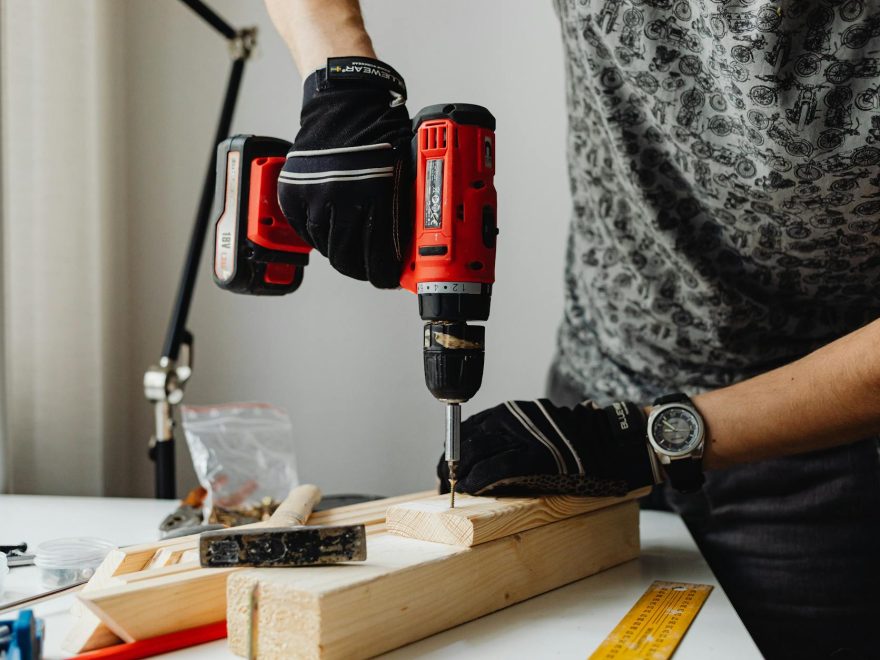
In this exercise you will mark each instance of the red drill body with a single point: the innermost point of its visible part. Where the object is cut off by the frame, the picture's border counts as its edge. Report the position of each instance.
(455, 205)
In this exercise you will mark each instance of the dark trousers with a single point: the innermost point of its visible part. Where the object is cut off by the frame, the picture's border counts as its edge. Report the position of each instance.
(794, 542)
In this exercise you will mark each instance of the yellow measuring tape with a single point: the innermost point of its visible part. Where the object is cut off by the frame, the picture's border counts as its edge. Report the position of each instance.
(653, 628)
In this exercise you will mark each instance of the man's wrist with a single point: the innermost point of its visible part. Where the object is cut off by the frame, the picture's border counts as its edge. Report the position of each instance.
(313, 54)
(675, 458)
(628, 429)
(317, 29)
(656, 467)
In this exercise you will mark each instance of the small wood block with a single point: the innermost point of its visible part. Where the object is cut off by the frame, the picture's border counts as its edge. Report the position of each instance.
(410, 589)
(476, 520)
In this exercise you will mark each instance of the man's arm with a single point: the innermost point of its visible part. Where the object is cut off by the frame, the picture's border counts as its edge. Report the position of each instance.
(317, 29)
(828, 398)
(345, 184)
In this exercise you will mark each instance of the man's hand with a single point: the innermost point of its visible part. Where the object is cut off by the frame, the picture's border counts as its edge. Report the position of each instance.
(345, 187)
(534, 447)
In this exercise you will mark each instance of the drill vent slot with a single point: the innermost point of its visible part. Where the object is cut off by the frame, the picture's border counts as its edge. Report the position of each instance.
(437, 137)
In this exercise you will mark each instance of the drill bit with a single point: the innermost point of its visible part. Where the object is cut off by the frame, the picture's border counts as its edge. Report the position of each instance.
(451, 465)
(453, 427)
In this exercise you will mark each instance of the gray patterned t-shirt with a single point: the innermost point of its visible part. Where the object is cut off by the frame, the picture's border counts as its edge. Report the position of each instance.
(725, 171)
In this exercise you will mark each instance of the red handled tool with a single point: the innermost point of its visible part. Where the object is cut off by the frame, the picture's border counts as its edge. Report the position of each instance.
(145, 648)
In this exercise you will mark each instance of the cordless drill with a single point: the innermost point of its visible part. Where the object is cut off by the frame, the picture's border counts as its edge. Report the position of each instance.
(451, 265)
(452, 260)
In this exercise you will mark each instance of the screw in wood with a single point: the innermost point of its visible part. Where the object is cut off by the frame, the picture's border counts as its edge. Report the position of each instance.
(251, 634)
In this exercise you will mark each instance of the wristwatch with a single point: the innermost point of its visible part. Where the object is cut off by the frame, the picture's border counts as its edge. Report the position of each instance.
(676, 433)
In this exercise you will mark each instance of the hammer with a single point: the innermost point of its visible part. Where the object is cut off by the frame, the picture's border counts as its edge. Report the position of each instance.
(284, 540)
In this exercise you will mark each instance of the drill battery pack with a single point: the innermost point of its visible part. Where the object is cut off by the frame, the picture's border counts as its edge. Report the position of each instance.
(256, 251)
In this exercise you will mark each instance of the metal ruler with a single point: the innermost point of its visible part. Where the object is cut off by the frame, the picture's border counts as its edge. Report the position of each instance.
(653, 628)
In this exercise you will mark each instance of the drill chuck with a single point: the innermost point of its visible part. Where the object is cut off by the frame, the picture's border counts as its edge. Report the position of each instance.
(454, 354)
(454, 301)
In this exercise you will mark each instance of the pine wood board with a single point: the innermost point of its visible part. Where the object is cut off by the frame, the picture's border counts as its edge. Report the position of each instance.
(476, 520)
(140, 576)
(160, 605)
(88, 632)
(191, 555)
(144, 562)
(169, 555)
(409, 589)
(157, 601)
(365, 511)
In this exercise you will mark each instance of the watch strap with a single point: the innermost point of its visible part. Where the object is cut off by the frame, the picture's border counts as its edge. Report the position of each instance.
(685, 474)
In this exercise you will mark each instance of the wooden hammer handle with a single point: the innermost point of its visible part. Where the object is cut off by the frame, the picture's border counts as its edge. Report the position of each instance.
(296, 507)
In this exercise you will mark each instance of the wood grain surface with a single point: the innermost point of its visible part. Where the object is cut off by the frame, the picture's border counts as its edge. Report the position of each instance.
(476, 520)
(127, 571)
(409, 589)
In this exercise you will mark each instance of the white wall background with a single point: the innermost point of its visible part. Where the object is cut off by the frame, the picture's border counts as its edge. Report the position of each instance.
(65, 264)
(342, 358)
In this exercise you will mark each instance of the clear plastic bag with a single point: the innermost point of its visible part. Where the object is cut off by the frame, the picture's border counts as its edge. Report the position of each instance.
(243, 456)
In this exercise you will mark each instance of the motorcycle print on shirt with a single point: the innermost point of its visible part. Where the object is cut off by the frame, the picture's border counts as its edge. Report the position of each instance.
(724, 159)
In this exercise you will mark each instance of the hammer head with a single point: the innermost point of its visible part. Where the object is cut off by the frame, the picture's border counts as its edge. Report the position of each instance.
(283, 546)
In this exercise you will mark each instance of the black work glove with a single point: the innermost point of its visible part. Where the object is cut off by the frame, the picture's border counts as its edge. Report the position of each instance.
(536, 448)
(346, 187)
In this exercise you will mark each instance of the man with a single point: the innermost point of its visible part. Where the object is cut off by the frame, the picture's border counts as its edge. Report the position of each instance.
(724, 244)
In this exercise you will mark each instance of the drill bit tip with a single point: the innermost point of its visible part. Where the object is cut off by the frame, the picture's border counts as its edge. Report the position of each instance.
(452, 482)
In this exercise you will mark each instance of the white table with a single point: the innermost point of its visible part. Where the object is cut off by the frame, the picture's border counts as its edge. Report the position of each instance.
(566, 623)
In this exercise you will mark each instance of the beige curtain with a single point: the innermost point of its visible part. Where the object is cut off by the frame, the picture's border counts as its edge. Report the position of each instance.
(64, 303)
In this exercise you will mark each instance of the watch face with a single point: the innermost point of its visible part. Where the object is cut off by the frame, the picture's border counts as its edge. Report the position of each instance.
(676, 430)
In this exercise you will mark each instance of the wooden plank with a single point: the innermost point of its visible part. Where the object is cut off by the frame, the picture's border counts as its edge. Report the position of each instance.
(153, 601)
(366, 512)
(191, 555)
(88, 632)
(135, 557)
(140, 576)
(141, 565)
(169, 555)
(477, 520)
(371, 505)
(157, 606)
(409, 589)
